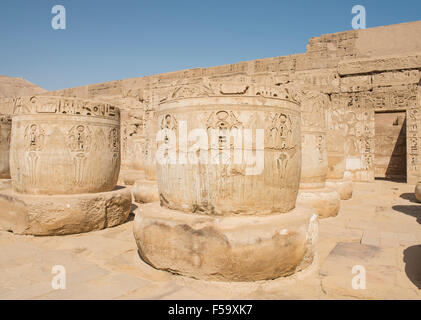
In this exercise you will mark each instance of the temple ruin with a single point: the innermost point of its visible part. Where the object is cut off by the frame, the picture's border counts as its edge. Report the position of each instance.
(345, 111)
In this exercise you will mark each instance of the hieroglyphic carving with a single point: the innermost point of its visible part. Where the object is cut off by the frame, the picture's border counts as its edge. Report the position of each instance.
(222, 122)
(320, 144)
(279, 137)
(60, 105)
(413, 136)
(34, 140)
(79, 138)
(5, 134)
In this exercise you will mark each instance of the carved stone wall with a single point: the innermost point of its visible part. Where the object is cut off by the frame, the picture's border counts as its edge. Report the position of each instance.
(5, 131)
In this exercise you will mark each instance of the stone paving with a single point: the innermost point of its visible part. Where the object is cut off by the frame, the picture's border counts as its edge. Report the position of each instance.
(378, 229)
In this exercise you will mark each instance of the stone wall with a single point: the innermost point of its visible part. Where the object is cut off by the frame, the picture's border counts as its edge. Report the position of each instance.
(361, 71)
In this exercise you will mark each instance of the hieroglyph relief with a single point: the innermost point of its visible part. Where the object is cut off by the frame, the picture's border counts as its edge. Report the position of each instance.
(34, 140)
(79, 144)
(280, 140)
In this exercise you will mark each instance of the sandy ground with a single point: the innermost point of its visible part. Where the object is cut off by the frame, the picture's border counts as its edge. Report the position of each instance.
(377, 232)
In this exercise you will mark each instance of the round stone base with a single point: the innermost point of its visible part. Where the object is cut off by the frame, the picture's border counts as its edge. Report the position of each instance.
(325, 201)
(129, 177)
(226, 248)
(418, 191)
(44, 215)
(344, 187)
(145, 191)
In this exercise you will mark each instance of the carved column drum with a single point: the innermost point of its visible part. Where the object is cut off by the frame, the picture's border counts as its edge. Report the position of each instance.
(5, 130)
(64, 146)
(314, 152)
(229, 149)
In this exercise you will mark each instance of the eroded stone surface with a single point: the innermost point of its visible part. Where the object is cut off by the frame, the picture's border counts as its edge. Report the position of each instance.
(264, 179)
(325, 201)
(145, 191)
(235, 248)
(63, 214)
(5, 132)
(64, 146)
(344, 187)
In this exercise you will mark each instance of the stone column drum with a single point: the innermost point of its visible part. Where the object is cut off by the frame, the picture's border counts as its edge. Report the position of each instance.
(64, 162)
(229, 187)
(222, 217)
(418, 191)
(5, 131)
(65, 151)
(313, 190)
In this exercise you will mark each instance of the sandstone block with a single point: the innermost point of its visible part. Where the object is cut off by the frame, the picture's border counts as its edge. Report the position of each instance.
(63, 214)
(325, 201)
(344, 187)
(226, 248)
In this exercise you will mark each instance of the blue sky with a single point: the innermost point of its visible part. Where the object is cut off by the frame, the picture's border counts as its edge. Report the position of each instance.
(110, 40)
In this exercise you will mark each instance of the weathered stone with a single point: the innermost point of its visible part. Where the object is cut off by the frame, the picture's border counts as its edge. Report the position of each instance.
(145, 191)
(325, 201)
(64, 146)
(344, 188)
(314, 165)
(129, 177)
(229, 248)
(418, 191)
(224, 176)
(5, 131)
(379, 64)
(63, 214)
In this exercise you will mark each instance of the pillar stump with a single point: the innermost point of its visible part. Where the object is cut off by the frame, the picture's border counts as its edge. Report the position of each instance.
(5, 132)
(228, 172)
(64, 163)
(313, 189)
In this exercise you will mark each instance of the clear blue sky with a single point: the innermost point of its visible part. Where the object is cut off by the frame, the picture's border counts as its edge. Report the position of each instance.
(110, 40)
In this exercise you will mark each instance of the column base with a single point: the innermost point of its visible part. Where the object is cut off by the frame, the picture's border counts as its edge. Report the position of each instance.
(226, 248)
(145, 191)
(45, 215)
(129, 177)
(344, 187)
(418, 191)
(326, 201)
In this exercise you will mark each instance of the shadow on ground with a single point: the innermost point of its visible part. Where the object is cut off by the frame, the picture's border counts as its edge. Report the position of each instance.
(412, 259)
(410, 197)
(413, 211)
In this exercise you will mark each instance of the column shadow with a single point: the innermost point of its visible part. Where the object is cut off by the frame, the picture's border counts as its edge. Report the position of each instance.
(410, 197)
(412, 260)
(410, 210)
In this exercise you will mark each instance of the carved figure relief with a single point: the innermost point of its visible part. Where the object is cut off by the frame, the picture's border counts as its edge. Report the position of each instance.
(279, 139)
(222, 123)
(34, 137)
(79, 143)
(34, 140)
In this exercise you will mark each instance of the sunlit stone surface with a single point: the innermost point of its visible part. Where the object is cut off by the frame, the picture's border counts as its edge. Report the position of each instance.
(65, 162)
(218, 220)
